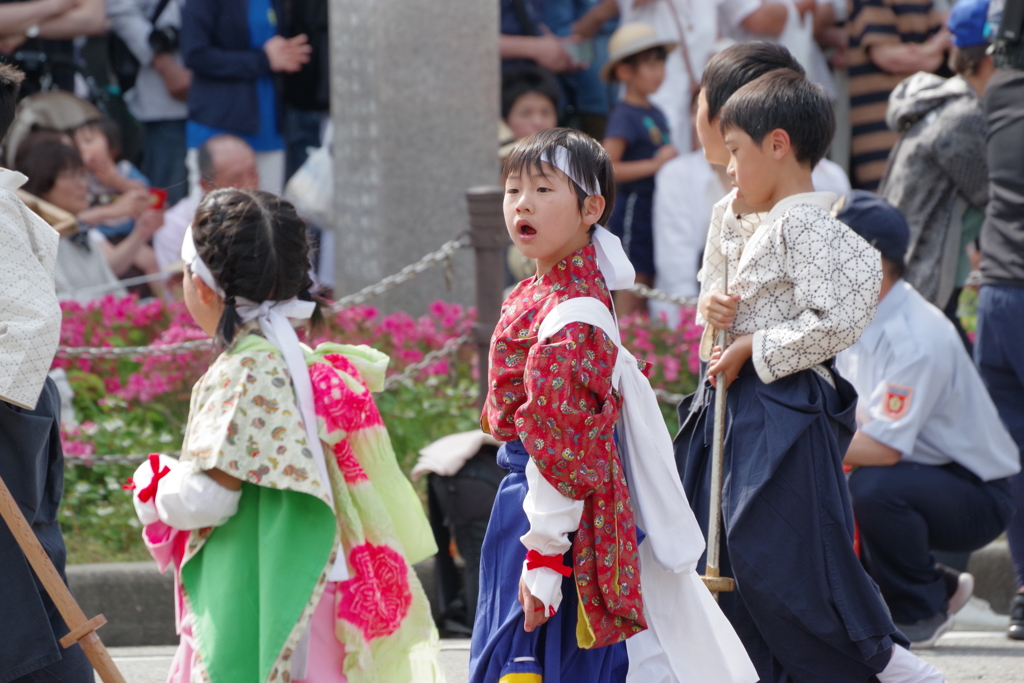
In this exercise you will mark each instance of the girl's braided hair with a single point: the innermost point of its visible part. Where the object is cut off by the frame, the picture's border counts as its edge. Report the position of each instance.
(255, 245)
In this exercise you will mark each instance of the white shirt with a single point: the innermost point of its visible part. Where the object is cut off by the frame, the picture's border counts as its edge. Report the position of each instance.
(921, 394)
(84, 274)
(808, 284)
(797, 36)
(167, 239)
(687, 189)
(29, 313)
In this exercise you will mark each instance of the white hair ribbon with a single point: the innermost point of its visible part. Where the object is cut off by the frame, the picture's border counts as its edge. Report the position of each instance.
(273, 317)
(617, 271)
(191, 258)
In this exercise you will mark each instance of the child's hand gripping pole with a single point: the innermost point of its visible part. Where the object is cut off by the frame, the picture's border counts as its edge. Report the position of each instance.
(711, 578)
(82, 629)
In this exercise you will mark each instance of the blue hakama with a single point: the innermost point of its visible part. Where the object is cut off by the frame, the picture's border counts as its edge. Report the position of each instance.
(804, 607)
(500, 643)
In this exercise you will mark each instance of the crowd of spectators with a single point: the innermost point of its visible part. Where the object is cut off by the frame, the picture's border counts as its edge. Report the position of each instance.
(189, 96)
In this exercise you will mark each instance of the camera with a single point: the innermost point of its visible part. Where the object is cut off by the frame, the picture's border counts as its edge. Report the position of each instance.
(163, 40)
(1007, 33)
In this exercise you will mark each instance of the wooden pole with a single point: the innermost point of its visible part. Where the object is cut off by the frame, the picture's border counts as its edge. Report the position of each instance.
(490, 240)
(82, 629)
(712, 573)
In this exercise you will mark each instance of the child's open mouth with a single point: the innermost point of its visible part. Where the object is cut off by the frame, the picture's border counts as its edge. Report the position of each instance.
(526, 230)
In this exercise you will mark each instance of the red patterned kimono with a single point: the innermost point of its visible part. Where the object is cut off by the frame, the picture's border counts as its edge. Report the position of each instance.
(557, 398)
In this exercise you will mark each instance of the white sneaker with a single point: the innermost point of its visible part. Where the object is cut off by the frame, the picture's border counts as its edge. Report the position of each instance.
(964, 591)
(905, 667)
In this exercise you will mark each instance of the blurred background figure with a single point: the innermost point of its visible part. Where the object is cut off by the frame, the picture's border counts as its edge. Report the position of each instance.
(151, 30)
(1001, 295)
(937, 175)
(234, 48)
(39, 37)
(88, 265)
(889, 41)
(224, 161)
(306, 93)
(529, 104)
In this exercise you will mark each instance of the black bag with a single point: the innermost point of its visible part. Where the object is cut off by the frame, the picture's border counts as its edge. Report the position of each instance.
(124, 65)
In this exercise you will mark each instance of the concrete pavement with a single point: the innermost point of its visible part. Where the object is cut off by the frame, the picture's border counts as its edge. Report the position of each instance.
(964, 656)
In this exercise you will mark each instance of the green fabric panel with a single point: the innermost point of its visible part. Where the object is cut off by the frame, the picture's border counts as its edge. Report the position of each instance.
(253, 577)
(971, 226)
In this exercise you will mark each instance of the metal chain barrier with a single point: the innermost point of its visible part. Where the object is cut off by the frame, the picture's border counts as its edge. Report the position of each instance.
(668, 397)
(441, 255)
(448, 349)
(404, 275)
(114, 352)
(652, 293)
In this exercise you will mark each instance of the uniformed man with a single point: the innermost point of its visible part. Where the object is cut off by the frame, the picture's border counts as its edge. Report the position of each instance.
(931, 454)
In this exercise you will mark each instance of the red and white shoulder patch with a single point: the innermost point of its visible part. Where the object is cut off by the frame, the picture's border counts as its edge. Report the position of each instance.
(896, 400)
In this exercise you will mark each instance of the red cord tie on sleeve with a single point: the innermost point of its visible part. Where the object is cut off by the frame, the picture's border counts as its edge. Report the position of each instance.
(534, 560)
(146, 494)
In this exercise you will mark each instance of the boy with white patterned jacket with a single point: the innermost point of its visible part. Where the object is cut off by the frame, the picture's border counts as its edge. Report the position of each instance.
(801, 288)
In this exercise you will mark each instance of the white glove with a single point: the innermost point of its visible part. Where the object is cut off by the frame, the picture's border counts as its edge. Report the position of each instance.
(142, 478)
(184, 499)
(189, 500)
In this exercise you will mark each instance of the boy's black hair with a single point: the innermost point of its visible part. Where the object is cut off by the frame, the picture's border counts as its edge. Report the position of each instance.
(784, 99)
(525, 80)
(739, 64)
(966, 60)
(588, 159)
(10, 83)
(658, 53)
(110, 129)
(895, 269)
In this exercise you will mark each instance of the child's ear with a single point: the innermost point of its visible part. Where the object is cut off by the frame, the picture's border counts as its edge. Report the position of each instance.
(206, 294)
(593, 209)
(781, 144)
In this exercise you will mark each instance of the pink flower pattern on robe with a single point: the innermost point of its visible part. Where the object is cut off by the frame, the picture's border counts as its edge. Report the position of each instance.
(377, 598)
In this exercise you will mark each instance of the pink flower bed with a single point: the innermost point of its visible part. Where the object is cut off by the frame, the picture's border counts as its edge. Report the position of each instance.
(150, 395)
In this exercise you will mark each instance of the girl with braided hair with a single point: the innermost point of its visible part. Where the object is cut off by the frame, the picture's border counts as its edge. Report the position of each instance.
(291, 530)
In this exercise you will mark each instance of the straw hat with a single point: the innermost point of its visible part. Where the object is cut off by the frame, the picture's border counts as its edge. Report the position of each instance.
(631, 39)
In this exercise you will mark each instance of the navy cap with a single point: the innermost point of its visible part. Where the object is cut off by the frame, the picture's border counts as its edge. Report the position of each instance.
(877, 221)
(967, 22)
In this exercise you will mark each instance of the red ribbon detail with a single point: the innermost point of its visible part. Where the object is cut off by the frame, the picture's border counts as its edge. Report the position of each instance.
(129, 485)
(535, 560)
(147, 493)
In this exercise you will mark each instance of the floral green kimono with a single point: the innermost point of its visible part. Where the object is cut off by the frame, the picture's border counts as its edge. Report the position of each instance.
(252, 584)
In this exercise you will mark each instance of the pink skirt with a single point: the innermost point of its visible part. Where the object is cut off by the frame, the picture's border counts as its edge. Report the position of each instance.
(326, 653)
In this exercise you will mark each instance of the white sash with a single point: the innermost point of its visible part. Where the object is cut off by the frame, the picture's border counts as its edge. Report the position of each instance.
(700, 644)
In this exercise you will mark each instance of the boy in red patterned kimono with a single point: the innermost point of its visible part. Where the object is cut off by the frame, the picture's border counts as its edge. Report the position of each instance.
(560, 574)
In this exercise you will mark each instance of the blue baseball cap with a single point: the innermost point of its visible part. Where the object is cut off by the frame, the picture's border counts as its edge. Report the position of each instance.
(967, 22)
(876, 220)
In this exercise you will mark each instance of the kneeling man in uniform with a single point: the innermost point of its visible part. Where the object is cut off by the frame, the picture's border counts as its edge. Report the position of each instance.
(931, 455)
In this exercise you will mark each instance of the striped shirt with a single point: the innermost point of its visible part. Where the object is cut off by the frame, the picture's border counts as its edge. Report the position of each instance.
(879, 22)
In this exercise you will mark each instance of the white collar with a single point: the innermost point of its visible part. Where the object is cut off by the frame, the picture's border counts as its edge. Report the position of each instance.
(11, 180)
(822, 200)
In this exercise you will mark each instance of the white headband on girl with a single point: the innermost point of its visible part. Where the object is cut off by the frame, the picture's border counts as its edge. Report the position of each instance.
(617, 271)
(273, 317)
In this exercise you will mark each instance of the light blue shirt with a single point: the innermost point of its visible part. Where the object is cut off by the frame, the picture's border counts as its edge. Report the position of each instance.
(920, 394)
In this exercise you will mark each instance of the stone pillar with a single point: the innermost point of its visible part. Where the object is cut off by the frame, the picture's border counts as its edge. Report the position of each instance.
(414, 100)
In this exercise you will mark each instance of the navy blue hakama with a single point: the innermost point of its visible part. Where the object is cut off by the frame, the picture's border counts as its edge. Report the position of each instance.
(804, 607)
(501, 645)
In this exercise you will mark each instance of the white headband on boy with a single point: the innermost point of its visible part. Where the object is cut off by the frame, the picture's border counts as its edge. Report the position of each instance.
(615, 267)
(273, 317)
